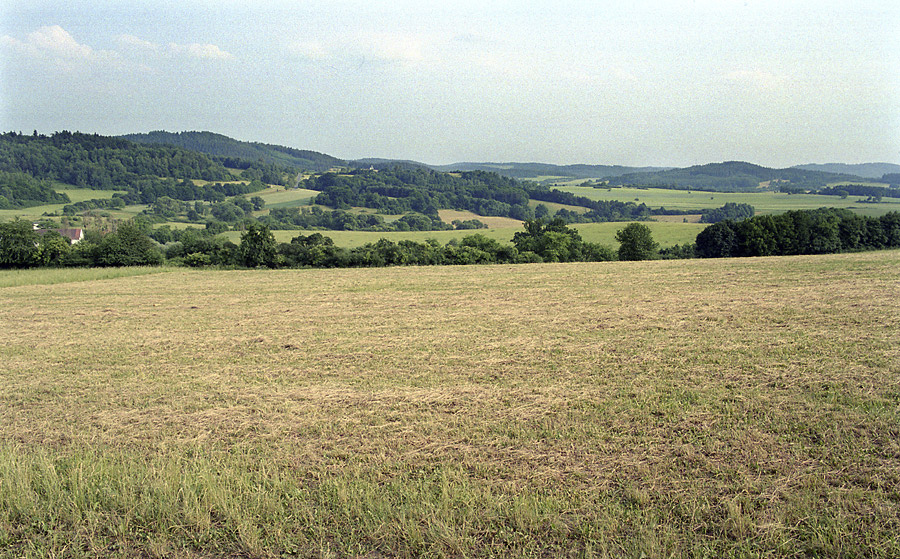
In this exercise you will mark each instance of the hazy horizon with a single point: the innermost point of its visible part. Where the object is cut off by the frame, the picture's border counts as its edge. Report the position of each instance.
(673, 83)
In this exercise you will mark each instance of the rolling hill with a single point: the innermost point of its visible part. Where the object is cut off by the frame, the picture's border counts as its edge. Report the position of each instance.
(225, 147)
(532, 170)
(731, 176)
(866, 170)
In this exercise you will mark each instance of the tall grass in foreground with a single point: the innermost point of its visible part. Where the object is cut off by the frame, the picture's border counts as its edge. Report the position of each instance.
(90, 503)
(50, 276)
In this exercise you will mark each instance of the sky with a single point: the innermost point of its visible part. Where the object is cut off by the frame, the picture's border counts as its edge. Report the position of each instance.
(668, 83)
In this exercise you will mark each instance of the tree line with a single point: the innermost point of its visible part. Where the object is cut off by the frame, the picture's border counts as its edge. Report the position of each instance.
(820, 231)
(131, 245)
(826, 230)
(860, 190)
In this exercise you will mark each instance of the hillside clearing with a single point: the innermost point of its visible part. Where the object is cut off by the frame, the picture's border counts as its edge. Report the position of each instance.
(728, 408)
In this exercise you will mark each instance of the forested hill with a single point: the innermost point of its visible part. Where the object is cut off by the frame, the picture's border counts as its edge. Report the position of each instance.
(145, 172)
(532, 170)
(731, 176)
(867, 170)
(101, 162)
(398, 190)
(230, 149)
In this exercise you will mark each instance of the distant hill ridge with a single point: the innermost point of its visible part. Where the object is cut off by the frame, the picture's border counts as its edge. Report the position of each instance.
(531, 170)
(732, 176)
(219, 145)
(867, 170)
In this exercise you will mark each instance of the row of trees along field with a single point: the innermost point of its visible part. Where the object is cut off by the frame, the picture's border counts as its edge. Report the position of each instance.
(130, 245)
(796, 232)
(826, 230)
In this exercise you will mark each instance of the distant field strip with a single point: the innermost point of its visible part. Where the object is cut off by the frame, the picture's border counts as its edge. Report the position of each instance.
(702, 408)
(764, 202)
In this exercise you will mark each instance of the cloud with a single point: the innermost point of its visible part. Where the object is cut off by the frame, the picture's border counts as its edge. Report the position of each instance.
(196, 50)
(204, 51)
(390, 48)
(51, 42)
(137, 42)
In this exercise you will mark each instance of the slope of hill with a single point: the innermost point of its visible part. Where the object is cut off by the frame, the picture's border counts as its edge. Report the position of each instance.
(145, 172)
(229, 148)
(867, 170)
(731, 176)
(532, 170)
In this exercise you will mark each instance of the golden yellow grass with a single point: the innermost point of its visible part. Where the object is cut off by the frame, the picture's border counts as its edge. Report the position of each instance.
(494, 222)
(735, 407)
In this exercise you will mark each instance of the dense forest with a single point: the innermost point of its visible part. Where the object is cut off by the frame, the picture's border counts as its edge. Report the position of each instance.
(235, 153)
(822, 231)
(145, 172)
(20, 190)
(730, 210)
(398, 190)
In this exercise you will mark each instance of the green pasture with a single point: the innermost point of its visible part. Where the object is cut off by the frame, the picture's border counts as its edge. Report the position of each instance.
(279, 197)
(764, 202)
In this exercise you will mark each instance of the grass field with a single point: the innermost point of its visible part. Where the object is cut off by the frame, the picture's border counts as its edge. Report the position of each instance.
(279, 197)
(727, 408)
(764, 202)
(666, 234)
(51, 276)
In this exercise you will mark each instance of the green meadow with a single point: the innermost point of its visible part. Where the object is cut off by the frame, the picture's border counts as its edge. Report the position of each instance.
(764, 202)
(279, 197)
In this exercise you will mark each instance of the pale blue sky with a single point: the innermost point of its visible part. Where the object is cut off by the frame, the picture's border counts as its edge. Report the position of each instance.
(676, 83)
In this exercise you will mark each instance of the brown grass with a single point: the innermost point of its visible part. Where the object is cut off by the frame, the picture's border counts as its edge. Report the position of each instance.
(447, 216)
(732, 407)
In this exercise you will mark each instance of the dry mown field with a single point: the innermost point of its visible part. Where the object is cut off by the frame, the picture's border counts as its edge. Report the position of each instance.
(736, 408)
